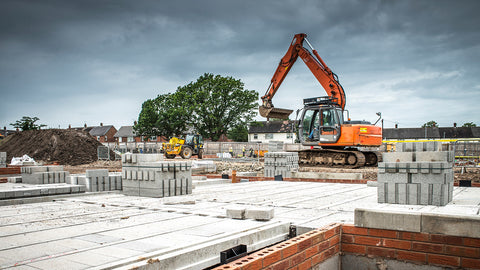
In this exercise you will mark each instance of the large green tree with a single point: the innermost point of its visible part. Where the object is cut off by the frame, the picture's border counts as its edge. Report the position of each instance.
(430, 124)
(212, 106)
(469, 124)
(27, 123)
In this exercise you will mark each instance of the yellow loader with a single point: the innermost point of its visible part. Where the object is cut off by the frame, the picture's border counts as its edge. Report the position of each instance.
(191, 145)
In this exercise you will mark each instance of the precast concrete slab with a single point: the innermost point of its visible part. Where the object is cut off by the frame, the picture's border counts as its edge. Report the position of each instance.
(113, 230)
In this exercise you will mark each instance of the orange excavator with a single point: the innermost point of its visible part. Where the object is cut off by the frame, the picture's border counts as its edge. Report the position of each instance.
(324, 124)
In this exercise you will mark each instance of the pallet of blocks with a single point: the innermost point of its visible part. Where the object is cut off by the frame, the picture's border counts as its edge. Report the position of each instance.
(418, 173)
(280, 163)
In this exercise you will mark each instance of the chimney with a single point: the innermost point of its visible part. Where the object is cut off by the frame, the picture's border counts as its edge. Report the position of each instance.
(85, 126)
(454, 124)
(69, 126)
(101, 124)
(396, 125)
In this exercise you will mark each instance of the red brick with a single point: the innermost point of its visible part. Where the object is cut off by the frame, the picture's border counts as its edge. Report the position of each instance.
(399, 244)
(347, 238)
(304, 243)
(320, 257)
(310, 252)
(318, 237)
(382, 233)
(411, 256)
(297, 259)
(369, 241)
(305, 265)
(334, 240)
(351, 248)
(471, 242)
(323, 246)
(351, 229)
(289, 250)
(285, 264)
(443, 260)
(422, 237)
(330, 252)
(293, 268)
(230, 266)
(446, 239)
(427, 247)
(252, 262)
(463, 251)
(381, 252)
(272, 257)
(333, 231)
(471, 263)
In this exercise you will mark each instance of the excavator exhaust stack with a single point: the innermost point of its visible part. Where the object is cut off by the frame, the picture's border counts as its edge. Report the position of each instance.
(271, 112)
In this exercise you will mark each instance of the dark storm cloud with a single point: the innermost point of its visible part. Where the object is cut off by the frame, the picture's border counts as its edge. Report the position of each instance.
(97, 61)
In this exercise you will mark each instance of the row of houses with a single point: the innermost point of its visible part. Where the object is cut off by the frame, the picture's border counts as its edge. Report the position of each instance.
(266, 131)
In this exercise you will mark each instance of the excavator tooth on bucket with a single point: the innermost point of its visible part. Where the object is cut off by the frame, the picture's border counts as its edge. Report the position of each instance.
(274, 112)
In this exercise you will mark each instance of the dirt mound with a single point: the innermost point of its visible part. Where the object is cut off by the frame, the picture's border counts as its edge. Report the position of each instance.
(65, 146)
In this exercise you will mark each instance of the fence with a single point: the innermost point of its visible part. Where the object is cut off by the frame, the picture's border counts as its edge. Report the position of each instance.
(467, 151)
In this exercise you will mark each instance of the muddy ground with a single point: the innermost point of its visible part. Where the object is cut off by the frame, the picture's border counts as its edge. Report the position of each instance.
(369, 173)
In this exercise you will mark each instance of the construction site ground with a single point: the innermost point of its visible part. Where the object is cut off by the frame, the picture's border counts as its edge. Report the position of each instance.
(368, 173)
(104, 230)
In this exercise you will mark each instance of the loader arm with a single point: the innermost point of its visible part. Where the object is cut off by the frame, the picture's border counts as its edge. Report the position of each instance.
(320, 70)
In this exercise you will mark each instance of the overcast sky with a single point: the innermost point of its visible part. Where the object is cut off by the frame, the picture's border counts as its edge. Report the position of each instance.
(77, 62)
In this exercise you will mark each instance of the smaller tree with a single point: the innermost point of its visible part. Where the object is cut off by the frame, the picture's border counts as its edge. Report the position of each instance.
(469, 124)
(27, 123)
(239, 133)
(430, 124)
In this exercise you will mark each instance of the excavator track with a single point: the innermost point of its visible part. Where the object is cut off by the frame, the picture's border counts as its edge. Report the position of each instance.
(338, 158)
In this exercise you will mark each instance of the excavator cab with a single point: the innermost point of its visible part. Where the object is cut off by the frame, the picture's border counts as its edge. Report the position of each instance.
(320, 121)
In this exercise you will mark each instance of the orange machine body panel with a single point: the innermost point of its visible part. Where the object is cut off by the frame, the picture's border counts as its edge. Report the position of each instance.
(358, 135)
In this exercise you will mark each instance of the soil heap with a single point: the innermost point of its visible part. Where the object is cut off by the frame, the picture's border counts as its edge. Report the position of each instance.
(65, 146)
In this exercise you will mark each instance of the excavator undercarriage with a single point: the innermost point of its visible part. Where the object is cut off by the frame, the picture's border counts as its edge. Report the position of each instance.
(338, 158)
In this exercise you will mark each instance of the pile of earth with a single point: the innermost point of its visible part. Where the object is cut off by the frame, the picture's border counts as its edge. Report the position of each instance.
(64, 146)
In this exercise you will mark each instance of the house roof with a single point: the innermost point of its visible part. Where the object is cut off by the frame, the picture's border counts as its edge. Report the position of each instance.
(125, 131)
(431, 133)
(100, 130)
(271, 127)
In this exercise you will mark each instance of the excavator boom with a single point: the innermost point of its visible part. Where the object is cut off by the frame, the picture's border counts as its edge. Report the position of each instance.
(314, 62)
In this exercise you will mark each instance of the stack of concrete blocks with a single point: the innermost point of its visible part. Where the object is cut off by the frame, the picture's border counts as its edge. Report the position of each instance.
(275, 146)
(148, 175)
(280, 163)
(3, 159)
(418, 173)
(98, 180)
(38, 175)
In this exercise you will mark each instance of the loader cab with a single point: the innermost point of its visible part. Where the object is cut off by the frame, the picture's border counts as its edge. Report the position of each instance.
(320, 121)
(195, 141)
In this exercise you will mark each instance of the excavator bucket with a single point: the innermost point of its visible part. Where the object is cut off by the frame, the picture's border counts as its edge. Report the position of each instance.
(274, 112)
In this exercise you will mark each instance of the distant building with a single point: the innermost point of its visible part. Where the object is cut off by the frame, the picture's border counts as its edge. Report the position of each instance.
(265, 131)
(103, 133)
(431, 133)
(127, 134)
(5, 132)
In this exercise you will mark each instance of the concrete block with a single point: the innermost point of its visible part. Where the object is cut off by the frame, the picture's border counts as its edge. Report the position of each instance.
(403, 221)
(464, 226)
(413, 194)
(398, 157)
(431, 156)
(236, 212)
(259, 213)
(382, 189)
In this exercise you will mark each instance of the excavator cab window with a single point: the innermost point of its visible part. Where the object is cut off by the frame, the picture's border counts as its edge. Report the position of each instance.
(321, 125)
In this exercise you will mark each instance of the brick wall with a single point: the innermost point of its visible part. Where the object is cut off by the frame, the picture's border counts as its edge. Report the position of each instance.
(310, 249)
(424, 248)
(301, 252)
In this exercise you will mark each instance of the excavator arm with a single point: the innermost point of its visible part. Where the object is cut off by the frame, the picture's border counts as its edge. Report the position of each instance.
(320, 70)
